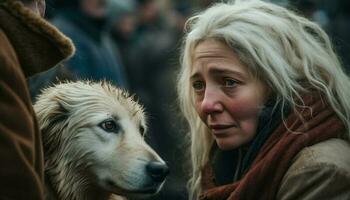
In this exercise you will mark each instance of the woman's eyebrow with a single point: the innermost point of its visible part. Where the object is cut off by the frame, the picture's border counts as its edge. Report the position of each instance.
(217, 71)
(194, 76)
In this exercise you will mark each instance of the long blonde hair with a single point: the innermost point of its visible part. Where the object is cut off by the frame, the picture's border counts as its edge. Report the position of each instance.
(286, 51)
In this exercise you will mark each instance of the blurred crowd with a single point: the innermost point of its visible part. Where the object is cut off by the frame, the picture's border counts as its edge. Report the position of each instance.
(334, 17)
(134, 44)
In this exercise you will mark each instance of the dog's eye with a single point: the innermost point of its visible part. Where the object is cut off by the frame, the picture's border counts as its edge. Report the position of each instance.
(109, 126)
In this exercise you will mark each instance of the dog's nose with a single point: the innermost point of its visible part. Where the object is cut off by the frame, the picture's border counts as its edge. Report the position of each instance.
(157, 170)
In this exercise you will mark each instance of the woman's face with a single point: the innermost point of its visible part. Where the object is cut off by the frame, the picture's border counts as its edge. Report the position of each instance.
(227, 98)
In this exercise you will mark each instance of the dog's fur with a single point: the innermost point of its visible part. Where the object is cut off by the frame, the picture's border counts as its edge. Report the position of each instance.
(84, 161)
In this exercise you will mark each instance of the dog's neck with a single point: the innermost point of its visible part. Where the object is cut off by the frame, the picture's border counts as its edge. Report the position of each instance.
(64, 182)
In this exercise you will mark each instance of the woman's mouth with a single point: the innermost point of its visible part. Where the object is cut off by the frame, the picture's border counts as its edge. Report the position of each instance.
(220, 129)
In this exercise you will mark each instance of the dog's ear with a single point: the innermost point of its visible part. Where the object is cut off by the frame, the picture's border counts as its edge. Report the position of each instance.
(53, 116)
(60, 116)
(50, 113)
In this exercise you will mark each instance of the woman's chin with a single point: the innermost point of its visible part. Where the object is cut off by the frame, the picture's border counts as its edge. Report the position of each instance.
(229, 143)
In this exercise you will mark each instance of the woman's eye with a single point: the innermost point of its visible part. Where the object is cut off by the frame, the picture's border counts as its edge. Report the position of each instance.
(228, 82)
(198, 85)
(109, 126)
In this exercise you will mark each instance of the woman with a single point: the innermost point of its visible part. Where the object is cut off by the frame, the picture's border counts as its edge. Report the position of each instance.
(267, 104)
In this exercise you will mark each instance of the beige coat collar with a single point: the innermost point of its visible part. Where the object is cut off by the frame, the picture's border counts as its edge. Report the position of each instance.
(38, 44)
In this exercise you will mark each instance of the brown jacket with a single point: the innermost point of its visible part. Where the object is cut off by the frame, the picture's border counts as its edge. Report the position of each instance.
(321, 171)
(28, 45)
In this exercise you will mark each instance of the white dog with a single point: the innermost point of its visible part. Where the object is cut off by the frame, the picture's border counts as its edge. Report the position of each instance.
(93, 143)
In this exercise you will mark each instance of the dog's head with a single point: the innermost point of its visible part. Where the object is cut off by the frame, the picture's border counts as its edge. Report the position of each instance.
(95, 131)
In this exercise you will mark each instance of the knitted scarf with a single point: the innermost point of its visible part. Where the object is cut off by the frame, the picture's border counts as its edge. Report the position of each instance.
(308, 125)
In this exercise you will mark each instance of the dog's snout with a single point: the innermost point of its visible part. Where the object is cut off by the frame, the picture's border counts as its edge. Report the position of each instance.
(157, 170)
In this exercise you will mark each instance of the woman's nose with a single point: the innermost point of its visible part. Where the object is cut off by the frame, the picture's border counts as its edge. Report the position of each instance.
(211, 102)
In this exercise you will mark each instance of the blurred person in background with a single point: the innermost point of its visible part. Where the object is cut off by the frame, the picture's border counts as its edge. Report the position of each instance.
(311, 10)
(122, 18)
(151, 44)
(122, 24)
(28, 45)
(96, 58)
(333, 17)
(340, 31)
(147, 41)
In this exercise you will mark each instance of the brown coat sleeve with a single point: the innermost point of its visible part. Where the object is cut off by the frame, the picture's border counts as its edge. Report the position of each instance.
(321, 171)
(21, 168)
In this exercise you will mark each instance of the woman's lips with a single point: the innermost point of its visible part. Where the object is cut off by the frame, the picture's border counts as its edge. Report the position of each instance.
(220, 129)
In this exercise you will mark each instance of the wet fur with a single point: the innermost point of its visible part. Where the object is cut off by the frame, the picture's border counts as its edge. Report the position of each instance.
(79, 156)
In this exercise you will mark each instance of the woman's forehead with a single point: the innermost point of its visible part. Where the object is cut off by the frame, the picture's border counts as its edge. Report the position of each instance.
(215, 52)
(211, 46)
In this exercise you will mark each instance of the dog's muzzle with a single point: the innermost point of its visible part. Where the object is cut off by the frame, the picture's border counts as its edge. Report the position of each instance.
(157, 171)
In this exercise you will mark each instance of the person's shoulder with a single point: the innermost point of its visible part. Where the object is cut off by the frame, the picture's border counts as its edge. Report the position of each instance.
(333, 152)
(4, 41)
(321, 171)
(327, 157)
(7, 52)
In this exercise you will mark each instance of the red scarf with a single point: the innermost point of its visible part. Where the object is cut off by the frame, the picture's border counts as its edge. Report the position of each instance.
(263, 179)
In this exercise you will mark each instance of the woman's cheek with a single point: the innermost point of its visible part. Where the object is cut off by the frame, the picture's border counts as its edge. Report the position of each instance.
(244, 109)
